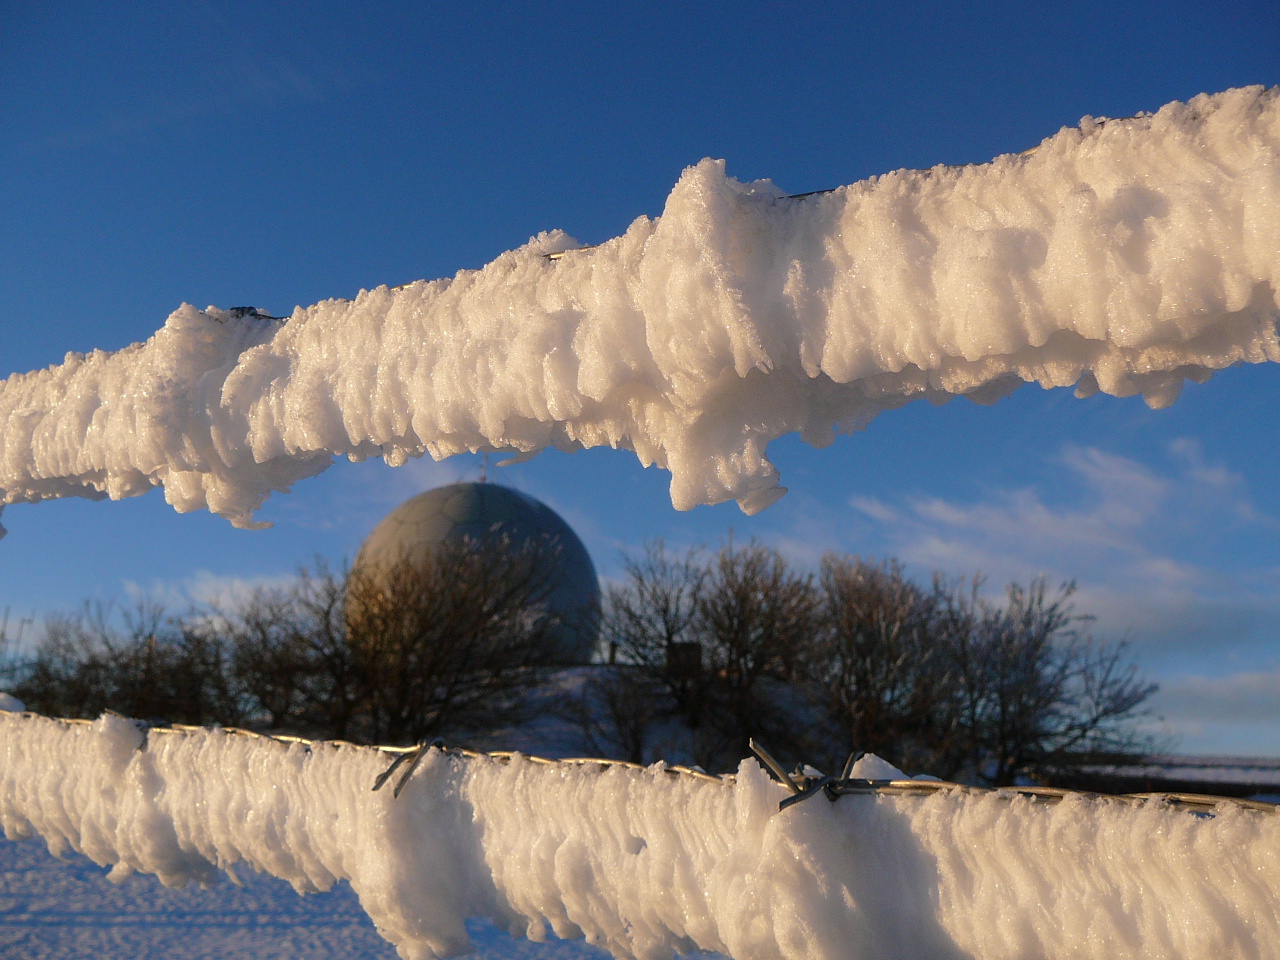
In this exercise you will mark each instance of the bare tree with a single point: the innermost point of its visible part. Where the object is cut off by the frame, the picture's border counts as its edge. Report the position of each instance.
(448, 641)
(716, 643)
(290, 668)
(1035, 688)
(937, 679)
(888, 683)
(650, 622)
(320, 598)
(757, 622)
(270, 658)
(138, 662)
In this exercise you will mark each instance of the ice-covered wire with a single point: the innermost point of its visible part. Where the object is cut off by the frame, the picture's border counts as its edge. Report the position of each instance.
(846, 785)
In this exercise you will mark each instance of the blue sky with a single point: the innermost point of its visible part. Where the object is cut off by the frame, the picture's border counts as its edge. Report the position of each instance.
(232, 154)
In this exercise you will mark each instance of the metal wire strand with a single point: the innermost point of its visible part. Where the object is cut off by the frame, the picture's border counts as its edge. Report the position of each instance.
(1196, 803)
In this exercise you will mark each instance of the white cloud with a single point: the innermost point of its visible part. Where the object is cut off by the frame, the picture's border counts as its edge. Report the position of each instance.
(1234, 714)
(202, 588)
(1249, 696)
(1160, 557)
(1118, 498)
(1216, 485)
(1130, 535)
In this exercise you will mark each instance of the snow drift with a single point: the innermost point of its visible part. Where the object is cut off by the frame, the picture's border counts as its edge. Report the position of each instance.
(1122, 256)
(643, 862)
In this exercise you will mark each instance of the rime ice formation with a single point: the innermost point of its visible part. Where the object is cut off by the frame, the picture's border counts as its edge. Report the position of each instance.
(1121, 256)
(642, 862)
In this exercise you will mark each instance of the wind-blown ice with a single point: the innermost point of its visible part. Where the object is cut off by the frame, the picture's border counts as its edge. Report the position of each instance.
(1122, 256)
(642, 862)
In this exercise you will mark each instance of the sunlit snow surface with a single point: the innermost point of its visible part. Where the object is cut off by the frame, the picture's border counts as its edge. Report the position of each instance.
(57, 909)
(1122, 256)
(642, 862)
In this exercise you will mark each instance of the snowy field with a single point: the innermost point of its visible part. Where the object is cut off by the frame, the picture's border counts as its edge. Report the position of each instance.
(53, 909)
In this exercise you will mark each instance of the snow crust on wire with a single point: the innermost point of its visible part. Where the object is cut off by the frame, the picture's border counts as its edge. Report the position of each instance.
(1120, 256)
(642, 862)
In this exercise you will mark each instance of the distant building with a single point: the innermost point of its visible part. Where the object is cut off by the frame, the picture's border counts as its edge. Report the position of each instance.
(482, 510)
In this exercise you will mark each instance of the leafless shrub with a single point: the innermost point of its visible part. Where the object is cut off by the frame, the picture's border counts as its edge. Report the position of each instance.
(1035, 689)
(887, 681)
(139, 662)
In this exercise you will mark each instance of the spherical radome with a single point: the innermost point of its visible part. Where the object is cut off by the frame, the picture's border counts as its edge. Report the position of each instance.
(418, 526)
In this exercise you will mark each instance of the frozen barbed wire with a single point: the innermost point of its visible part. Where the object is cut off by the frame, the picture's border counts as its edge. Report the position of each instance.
(1122, 256)
(642, 861)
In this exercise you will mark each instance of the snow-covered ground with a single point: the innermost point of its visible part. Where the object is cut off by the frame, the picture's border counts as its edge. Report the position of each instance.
(1122, 256)
(59, 909)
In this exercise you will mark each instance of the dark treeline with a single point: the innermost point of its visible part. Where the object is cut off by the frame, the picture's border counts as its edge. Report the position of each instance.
(715, 648)
(699, 651)
(447, 644)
